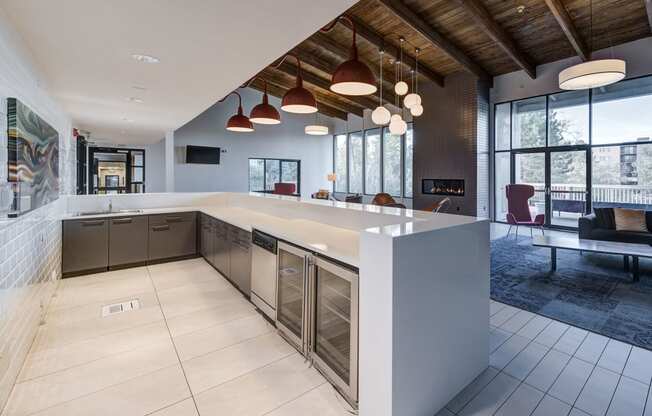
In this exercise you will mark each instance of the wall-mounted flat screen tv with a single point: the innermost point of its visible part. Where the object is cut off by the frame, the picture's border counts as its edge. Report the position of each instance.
(203, 154)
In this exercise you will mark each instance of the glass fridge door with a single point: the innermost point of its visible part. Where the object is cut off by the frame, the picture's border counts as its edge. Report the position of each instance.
(334, 335)
(291, 293)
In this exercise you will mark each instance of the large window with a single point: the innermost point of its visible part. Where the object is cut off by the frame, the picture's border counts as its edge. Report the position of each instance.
(264, 173)
(374, 161)
(341, 163)
(580, 149)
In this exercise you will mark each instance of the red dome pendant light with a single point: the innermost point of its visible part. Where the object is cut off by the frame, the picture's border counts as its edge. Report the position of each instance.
(298, 100)
(352, 77)
(239, 122)
(265, 113)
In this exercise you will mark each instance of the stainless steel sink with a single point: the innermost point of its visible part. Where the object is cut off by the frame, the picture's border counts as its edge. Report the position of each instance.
(107, 212)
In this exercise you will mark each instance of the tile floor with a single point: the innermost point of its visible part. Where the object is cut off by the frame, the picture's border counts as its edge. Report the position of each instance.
(197, 347)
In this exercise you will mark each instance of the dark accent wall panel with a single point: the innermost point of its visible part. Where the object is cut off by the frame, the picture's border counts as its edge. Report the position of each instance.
(447, 141)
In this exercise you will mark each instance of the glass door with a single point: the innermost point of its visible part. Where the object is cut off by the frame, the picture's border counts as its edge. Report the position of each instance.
(334, 317)
(291, 293)
(567, 189)
(559, 177)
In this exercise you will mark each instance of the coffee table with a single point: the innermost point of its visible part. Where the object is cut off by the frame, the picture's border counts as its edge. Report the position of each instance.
(594, 246)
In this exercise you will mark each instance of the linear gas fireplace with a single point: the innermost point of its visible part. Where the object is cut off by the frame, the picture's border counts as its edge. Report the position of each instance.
(448, 187)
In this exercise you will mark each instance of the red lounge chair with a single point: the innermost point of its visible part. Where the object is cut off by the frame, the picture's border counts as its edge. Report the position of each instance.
(518, 210)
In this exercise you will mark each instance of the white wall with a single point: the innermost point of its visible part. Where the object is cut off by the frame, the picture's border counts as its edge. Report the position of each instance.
(30, 246)
(286, 140)
(155, 167)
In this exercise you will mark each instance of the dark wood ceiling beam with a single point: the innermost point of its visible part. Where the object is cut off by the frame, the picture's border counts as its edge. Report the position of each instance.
(483, 18)
(283, 80)
(278, 92)
(418, 24)
(648, 7)
(324, 84)
(321, 40)
(563, 18)
(376, 39)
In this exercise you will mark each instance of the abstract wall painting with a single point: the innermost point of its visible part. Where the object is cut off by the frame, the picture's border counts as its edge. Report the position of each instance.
(33, 157)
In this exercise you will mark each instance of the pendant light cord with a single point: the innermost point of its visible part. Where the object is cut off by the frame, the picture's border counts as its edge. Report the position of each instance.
(347, 19)
(380, 69)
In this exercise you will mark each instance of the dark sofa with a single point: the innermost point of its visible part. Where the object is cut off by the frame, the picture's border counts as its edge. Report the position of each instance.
(601, 225)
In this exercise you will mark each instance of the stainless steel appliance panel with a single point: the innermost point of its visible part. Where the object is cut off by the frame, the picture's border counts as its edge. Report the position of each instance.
(263, 272)
(292, 294)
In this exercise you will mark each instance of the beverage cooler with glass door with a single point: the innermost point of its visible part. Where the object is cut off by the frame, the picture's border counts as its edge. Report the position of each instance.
(317, 311)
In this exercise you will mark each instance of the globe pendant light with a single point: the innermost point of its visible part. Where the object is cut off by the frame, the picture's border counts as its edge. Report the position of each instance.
(592, 74)
(352, 77)
(380, 116)
(316, 129)
(299, 100)
(416, 110)
(401, 87)
(414, 99)
(265, 113)
(397, 126)
(239, 122)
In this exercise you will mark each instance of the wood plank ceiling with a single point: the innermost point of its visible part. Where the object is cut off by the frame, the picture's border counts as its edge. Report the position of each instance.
(483, 37)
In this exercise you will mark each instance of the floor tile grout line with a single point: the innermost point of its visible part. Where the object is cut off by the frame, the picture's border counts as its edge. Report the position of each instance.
(620, 377)
(294, 399)
(589, 377)
(247, 373)
(212, 326)
(647, 398)
(183, 370)
(166, 406)
(242, 341)
(102, 389)
(90, 361)
(500, 371)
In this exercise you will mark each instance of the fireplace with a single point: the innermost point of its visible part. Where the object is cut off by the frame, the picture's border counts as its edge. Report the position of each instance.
(447, 187)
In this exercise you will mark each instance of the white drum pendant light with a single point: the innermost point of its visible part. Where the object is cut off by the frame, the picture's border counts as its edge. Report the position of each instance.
(401, 87)
(592, 74)
(316, 130)
(380, 116)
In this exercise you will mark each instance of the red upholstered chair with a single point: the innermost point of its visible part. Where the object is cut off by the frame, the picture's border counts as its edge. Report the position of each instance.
(281, 188)
(518, 210)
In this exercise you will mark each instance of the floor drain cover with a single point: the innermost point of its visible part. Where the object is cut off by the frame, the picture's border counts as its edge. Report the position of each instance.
(115, 308)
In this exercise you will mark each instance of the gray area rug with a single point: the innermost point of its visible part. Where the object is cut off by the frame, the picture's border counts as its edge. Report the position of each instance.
(590, 291)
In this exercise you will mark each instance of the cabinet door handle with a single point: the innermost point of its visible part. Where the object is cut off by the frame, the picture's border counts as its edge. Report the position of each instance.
(160, 228)
(173, 219)
(92, 223)
(123, 221)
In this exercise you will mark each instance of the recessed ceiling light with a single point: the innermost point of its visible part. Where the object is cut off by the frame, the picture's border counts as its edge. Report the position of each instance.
(520, 9)
(146, 59)
(135, 100)
(128, 120)
(139, 88)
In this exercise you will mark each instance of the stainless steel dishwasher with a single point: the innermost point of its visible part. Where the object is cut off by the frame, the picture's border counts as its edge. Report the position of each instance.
(263, 272)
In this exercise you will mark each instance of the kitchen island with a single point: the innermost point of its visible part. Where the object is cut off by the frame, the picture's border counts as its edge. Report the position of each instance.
(423, 296)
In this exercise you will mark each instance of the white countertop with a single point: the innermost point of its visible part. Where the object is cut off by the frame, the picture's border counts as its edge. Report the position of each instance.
(334, 242)
(330, 228)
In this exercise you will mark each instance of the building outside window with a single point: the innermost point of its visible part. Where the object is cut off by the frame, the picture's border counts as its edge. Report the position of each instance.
(373, 161)
(579, 149)
(264, 173)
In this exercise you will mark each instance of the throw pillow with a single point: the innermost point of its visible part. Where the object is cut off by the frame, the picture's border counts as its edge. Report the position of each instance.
(605, 218)
(630, 220)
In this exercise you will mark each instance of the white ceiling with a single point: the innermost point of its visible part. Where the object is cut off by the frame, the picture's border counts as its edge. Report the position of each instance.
(207, 48)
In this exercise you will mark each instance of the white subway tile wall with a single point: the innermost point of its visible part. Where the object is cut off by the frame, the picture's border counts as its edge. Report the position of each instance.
(30, 246)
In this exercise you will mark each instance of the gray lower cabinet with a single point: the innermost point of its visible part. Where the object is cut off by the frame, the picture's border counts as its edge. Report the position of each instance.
(222, 248)
(240, 259)
(206, 238)
(85, 245)
(128, 240)
(172, 235)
